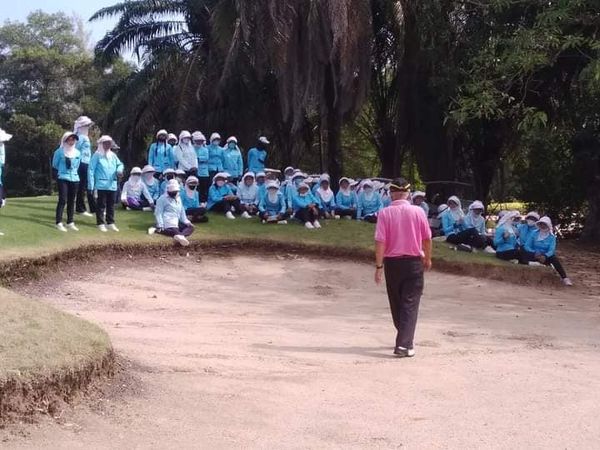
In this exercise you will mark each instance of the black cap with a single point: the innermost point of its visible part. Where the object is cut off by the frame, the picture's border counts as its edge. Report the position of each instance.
(399, 185)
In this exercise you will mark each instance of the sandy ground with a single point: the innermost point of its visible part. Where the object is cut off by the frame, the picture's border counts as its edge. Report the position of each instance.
(245, 352)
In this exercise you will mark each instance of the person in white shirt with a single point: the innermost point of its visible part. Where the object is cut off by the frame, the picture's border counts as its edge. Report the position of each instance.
(170, 216)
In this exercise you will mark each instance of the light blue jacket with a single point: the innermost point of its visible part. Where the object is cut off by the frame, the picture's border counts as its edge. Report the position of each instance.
(345, 201)
(216, 194)
(256, 160)
(425, 207)
(85, 148)
(169, 212)
(161, 156)
(215, 158)
(450, 225)
(502, 244)
(272, 209)
(248, 194)
(470, 223)
(524, 232)
(546, 247)
(368, 207)
(153, 189)
(202, 154)
(300, 202)
(326, 206)
(59, 163)
(233, 162)
(103, 171)
(187, 202)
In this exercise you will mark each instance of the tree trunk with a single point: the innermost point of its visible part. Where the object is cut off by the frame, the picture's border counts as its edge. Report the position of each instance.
(591, 229)
(334, 128)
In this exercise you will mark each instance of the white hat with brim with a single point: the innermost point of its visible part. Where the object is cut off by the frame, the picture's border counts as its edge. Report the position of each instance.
(192, 180)
(222, 175)
(4, 136)
(215, 136)
(162, 133)
(418, 194)
(180, 172)
(171, 137)
(299, 175)
(261, 174)
(288, 169)
(533, 215)
(136, 171)
(303, 186)
(83, 121)
(264, 140)
(232, 139)
(545, 221)
(248, 175)
(272, 185)
(185, 134)
(173, 186)
(198, 136)
(169, 171)
(476, 205)
(68, 135)
(104, 139)
(148, 169)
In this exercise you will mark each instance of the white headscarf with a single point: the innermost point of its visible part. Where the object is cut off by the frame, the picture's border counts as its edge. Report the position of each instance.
(507, 221)
(544, 234)
(442, 209)
(106, 153)
(476, 219)
(458, 212)
(135, 178)
(368, 196)
(325, 194)
(272, 191)
(68, 150)
(82, 125)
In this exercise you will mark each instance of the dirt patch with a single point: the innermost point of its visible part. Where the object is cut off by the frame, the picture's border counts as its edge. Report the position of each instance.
(245, 352)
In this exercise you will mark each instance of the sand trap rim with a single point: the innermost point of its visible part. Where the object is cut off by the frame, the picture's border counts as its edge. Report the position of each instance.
(33, 268)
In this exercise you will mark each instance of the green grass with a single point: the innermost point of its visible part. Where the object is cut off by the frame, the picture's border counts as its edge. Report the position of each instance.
(36, 338)
(28, 224)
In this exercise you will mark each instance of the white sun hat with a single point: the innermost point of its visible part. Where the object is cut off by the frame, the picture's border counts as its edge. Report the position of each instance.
(173, 186)
(136, 171)
(264, 140)
(4, 136)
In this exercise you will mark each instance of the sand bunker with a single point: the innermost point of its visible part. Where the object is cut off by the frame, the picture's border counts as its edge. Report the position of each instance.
(294, 353)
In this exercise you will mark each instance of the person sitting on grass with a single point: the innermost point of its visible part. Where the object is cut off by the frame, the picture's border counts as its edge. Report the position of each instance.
(524, 230)
(505, 238)
(190, 198)
(455, 229)
(135, 194)
(292, 188)
(181, 177)
(369, 203)
(168, 175)
(326, 198)
(272, 205)
(151, 183)
(170, 216)
(261, 183)
(418, 199)
(306, 207)
(288, 173)
(172, 140)
(248, 195)
(475, 220)
(221, 197)
(345, 200)
(541, 248)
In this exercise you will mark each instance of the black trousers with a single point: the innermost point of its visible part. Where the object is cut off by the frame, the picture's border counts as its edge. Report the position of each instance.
(344, 212)
(67, 191)
(82, 191)
(551, 261)
(226, 205)
(404, 281)
(105, 203)
(510, 255)
(203, 186)
(265, 215)
(184, 230)
(371, 218)
(469, 237)
(196, 215)
(250, 209)
(307, 215)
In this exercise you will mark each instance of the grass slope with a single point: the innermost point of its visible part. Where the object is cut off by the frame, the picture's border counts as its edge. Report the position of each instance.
(28, 224)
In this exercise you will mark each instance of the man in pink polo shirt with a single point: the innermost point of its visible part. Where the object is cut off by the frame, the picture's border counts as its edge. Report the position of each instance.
(403, 249)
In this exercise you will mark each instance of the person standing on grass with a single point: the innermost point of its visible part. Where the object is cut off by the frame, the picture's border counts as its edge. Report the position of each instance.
(4, 137)
(402, 252)
(82, 129)
(170, 216)
(257, 156)
(103, 173)
(65, 163)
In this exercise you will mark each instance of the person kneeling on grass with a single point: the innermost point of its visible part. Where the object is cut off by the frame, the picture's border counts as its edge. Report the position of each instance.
(190, 198)
(327, 198)
(306, 207)
(541, 248)
(345, 200)
(505, 239)
(272, 205)
(170, 216)
(135, 194)
(248, 194)
(221, 197)
(369, 203)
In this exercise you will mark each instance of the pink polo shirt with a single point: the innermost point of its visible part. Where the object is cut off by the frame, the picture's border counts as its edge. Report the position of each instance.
(402, 227)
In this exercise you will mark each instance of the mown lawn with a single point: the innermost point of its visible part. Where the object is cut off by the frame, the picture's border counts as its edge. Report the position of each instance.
(28, 224)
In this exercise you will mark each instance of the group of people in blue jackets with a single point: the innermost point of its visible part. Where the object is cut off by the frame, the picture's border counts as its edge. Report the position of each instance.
(528, 240)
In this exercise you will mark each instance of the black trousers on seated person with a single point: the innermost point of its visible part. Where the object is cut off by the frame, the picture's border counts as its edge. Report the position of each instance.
(265, 215)
(196, 215)
(371, 218)
(551, 261)
(226, 205)
(469, 237)
(344, 212)
(509, 255)
(184, 230)
(307, 214)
